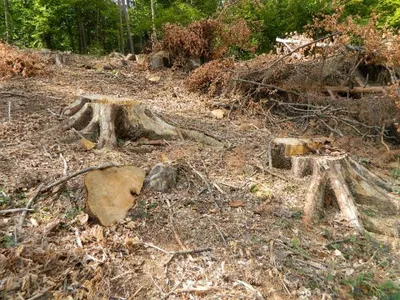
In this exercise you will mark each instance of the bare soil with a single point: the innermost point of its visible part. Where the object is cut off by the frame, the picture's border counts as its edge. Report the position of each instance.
(249, 218)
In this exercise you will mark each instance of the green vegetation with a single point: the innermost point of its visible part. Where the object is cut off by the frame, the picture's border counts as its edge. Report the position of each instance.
(99, 26)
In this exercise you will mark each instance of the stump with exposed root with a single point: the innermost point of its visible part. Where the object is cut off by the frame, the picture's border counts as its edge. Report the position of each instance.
(365, 200)
(111, 118)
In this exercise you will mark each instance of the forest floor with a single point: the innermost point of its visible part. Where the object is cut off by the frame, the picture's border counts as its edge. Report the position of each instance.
(249, 218)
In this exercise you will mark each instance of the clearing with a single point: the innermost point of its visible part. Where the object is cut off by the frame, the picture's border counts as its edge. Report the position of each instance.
(242, 219)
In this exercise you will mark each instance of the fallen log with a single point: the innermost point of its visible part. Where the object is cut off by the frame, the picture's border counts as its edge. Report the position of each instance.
(358, 90)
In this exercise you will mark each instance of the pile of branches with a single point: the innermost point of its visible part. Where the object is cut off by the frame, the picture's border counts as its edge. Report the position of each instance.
(207, 40)
(211, 78)
(339, 87)
(14, 62)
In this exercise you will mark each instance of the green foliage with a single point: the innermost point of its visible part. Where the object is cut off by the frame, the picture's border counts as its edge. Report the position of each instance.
(7, 241)
(364, 284)
(4, 198)
(92, 26)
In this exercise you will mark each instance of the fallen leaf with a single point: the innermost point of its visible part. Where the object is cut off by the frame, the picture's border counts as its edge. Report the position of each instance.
(87, 145)
(236, 203)
(218, 113)
(34, 222)
(154, 78)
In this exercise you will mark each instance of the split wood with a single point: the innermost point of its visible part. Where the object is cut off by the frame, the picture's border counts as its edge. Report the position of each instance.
(42, 189)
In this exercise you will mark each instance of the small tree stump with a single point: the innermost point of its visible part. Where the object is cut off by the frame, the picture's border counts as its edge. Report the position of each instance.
(351, 184)
(113, 118)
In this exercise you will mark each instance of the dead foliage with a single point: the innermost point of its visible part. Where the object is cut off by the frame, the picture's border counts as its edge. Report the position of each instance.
(344, 82)
(212, 77)
(14, 62)
(208, 39)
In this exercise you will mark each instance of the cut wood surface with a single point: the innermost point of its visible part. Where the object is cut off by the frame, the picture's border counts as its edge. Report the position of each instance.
(111, 118)
(354, 187)
(110, 192)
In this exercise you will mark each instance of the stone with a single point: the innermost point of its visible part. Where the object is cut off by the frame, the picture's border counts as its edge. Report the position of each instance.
(161, 178)
(193, 63)
(110, 192)
(159, 60)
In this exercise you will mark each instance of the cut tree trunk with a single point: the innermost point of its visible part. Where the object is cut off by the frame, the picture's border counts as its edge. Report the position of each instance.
(111, 118)
(360, 195)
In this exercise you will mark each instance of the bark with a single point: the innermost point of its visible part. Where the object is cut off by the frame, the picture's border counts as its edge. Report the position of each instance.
(153, 16)
(114, 118)
(128, 27)
(6, 13)
(353, 187)
(121, 28)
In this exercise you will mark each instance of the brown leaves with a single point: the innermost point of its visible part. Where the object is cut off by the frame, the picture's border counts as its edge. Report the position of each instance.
(14, 62)
(208, 39)
(212, 77)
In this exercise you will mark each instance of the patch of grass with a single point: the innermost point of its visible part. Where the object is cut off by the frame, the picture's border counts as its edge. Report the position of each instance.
(365, 285)
(73, 212)
(283, 223)
(4, 198)
(395, 173)
(7, 241)
(369, 212)
(297, 214)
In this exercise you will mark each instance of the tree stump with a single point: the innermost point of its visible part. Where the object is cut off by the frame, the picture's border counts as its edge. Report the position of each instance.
(336, 174)
(111, 118)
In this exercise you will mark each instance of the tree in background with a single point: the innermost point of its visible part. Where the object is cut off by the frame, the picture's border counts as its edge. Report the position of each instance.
(96, 26)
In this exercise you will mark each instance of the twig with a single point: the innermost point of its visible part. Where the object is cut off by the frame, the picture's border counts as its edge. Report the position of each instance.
(14, 210)
(200, 289)
(66, 178)
(13, 94)
(299, 253)
(250, 288)
(137, 292)
(123, 274)
(78, 238)
(336, 242)
(202, 177)
(382, 140)
(218, 188)
(38, 295)
(9, 111)
(175, 253)
(78, 133)
(276, 175)
(219, 231)
(65, 165)
(267, 86)
(28, 205)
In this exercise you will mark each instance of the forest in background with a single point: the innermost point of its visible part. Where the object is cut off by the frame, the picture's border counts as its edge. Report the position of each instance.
(101, 26)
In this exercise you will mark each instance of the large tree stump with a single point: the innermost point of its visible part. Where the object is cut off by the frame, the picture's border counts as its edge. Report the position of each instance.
(113, 118)
(353, 187)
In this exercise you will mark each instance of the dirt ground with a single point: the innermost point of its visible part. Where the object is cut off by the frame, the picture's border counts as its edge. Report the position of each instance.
(247, 224)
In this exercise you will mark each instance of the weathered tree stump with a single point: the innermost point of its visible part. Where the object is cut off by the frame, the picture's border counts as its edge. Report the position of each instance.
(352, 185)
(113, 118)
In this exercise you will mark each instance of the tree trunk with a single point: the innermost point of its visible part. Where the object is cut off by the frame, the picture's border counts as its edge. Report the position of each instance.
(124, 118)
(121, 28)
(6, 12)
(128, 27)
(153, 17)
(82, 37)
